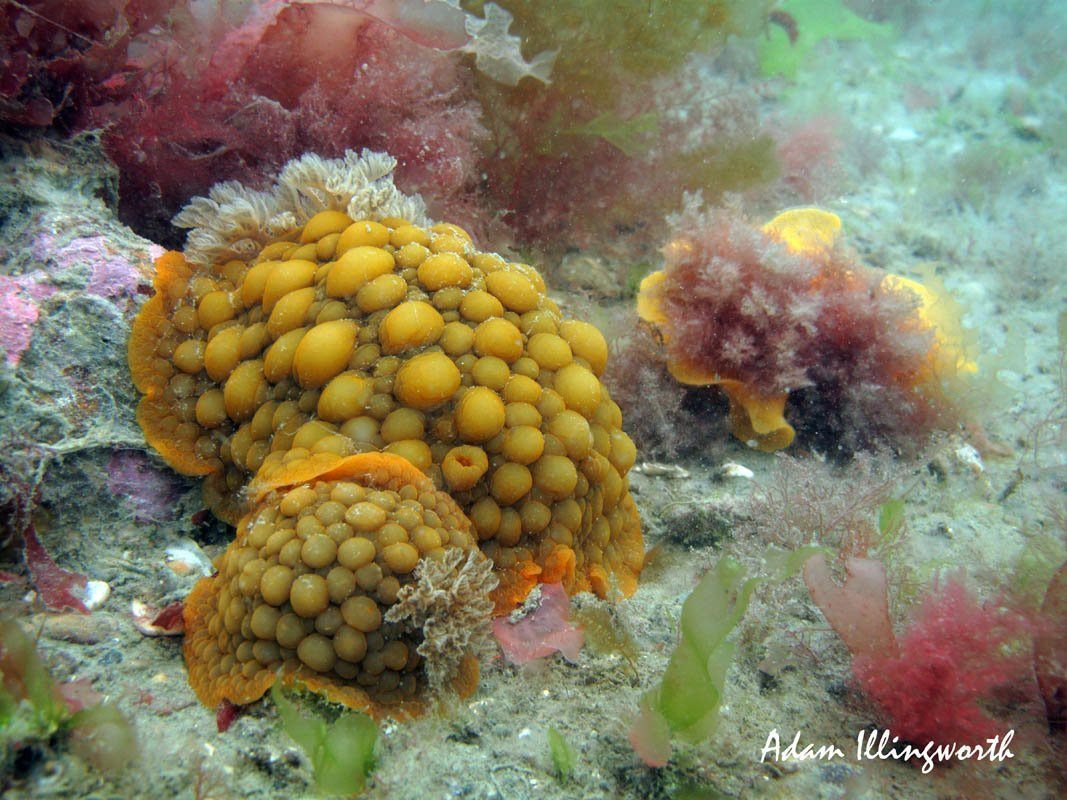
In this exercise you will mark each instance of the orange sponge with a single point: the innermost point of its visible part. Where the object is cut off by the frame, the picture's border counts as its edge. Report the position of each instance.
(274, 355)
(303, 593)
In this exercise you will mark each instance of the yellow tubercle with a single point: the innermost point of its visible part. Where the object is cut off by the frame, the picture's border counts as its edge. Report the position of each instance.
(326, 368)
(756, 419)
(648, 306)
(952, 350)
(805, 231)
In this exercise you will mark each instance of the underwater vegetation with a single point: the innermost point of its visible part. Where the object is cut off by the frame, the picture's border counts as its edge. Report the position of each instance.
(582, 156)
(686, 702)
(341, 752)
(563, 756)
(184, 91)
(953, 657)
(307, 329)
(949, 677)
(58, 55)
(665, 418)
(59, 589)
(783, 50)
(266, 74)
(36, 711)
(423, 455)
(684, 706)
(855, 511)
(959, 655)
(784, 315)
(930, 684)
(515, 113)
(1050, 652)
(543, 630)
(937, 682)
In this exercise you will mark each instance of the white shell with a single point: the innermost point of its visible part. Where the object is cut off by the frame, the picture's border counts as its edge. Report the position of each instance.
(969, 457)
(96, 594)
(186, 558)
(730, 469)
(143, 614)
(656, 469)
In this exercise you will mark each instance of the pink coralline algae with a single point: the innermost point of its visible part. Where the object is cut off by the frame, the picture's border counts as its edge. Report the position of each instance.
(543, 631)
(111, 276)
(20, 298)
(18, 314)
(148, 492)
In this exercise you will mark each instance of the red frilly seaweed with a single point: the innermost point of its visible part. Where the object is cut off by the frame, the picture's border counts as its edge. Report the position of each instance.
(932, 683)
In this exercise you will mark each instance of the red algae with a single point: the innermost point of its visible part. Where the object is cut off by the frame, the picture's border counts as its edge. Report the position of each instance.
(545, 630)
(934, 682)
(952, 657)
(784, 314)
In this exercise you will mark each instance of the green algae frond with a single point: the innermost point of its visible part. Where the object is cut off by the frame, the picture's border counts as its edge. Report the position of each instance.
(563, 756)
(685, 705)
(33, 709)
(816, 20)
(341, 752)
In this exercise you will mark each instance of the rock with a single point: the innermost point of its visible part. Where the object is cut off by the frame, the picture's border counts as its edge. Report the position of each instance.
(79, 628)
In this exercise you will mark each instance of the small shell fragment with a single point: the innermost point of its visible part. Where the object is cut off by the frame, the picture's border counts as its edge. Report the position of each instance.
(152, 621)
(655, 469)
(95, 594)
(968, 457)
(730, 469)
(186, 558)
